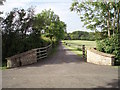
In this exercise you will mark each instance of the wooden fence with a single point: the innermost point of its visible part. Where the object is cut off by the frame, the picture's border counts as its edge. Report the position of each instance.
(28, 57)
(43, 52)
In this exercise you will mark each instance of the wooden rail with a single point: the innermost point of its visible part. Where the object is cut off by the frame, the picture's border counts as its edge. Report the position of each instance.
(28, 57)
(43, 52)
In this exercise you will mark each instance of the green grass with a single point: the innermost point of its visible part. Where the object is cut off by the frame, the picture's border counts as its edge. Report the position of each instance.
(3, 68)
(82, 42)
(77, 49)
(53, 51)
(118, 67)
(74, 50)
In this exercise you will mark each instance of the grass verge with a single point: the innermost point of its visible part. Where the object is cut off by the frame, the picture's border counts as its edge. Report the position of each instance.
(118, 67)
(53, 50)
(74, 50)
(3, 67)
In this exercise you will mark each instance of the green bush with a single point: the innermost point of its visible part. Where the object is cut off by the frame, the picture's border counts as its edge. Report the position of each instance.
(100, 46)
(110, 45)
(18, 45)
(107, 45)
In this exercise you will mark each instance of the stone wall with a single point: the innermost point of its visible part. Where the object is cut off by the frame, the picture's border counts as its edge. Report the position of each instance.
(28, 57)
(21, 59)
(97, 57)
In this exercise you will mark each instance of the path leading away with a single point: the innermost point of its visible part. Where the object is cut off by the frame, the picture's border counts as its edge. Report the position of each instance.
(62, 70)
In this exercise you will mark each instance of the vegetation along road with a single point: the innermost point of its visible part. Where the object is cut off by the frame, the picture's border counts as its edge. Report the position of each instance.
(62, 70)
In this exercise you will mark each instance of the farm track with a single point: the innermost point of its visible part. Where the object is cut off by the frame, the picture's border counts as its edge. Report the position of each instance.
(62, 70)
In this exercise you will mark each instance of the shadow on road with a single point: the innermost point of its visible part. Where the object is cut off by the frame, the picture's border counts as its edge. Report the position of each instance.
(114, 84)
(63, 67)
(62, 56)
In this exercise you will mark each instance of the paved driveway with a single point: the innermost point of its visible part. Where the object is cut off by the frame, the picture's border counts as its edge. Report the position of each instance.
(63, 70)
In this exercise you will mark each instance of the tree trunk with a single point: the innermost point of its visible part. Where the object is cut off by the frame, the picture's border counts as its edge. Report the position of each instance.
(114, 20)
(108, 25)
(118, 12)
(108, 21)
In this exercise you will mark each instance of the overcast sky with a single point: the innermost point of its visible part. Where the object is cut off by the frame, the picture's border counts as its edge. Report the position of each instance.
(60, 7)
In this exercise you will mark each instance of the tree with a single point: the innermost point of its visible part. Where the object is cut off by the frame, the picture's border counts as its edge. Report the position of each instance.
(54, 28)
(98, 14)
(80, 35)
(16, 29)
(22, 30)
(1, 3)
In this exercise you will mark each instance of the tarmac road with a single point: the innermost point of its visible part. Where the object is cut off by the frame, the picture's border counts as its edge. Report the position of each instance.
(62, 70)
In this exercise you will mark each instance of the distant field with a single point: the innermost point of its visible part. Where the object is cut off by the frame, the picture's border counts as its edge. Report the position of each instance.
(82, 42)
(74, 45)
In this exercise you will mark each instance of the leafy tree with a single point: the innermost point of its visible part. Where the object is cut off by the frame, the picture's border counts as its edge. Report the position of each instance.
(103, 15)
(23, 27)
(80, 35)
(17, 29)
(98, 14)
(39, 23)
(1, 3)
(54, 28)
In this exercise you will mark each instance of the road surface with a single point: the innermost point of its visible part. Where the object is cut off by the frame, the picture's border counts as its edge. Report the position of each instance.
(64, 69)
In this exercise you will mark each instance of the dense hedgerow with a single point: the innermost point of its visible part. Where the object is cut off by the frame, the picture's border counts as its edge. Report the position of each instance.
(110, 45)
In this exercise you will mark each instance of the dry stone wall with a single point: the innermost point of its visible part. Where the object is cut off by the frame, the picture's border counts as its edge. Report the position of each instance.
(97, 57)
(21, 59)
(28, 57)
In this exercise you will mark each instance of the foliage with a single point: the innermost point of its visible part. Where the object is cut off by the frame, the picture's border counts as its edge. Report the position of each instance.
(80, 35)
(104, 16)
(51, 24)
(110, 45)
(98, 15)
(1, 3)
(22, 30)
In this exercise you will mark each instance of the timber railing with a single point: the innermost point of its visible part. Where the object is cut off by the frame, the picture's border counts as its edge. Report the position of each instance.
(28, 57)
(43, 52)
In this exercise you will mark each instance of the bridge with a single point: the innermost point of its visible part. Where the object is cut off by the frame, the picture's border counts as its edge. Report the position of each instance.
(64, 69)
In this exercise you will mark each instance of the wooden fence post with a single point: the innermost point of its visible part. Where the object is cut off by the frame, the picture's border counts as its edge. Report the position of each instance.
(83, 49)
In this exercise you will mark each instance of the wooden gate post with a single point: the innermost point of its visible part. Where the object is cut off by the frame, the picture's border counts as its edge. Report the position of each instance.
(83, 49)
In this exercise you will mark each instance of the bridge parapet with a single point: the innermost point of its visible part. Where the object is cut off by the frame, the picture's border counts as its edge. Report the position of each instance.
(97, 57)
(28, 57)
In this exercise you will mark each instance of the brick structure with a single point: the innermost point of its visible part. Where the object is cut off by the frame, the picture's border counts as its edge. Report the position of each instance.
(97, 57)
